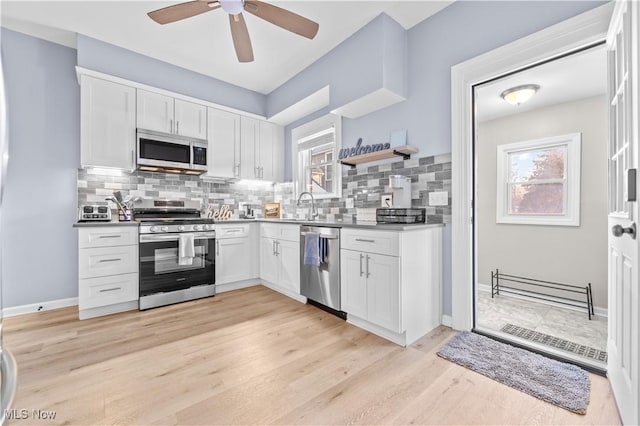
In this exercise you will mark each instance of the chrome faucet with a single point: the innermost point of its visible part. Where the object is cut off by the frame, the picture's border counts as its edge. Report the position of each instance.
(313, 212)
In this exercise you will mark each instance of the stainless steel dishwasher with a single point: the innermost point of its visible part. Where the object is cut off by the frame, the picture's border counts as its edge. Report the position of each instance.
(321, 284)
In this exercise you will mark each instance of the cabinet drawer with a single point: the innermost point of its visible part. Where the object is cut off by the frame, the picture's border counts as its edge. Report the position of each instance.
(103, 261)
(107, 236)
(290, 233)
(232, 231)
(103, 291)
(381, 242)
(280, 232)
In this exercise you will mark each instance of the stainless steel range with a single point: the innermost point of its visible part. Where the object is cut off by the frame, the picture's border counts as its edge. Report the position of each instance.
(177, 252)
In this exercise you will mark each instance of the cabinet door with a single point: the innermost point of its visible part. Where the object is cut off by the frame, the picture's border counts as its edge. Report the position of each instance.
(269, 264)
(155, 112)
(231, 260)
(278, 154)
(108, 124)
(223, 154)
(288, 253)
(383, 290)
(249, 129)
(265, 151)
(353, 284)
(191, 119)
(271, 152)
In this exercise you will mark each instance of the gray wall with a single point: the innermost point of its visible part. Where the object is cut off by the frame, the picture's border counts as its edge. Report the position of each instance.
(39, 247)
(567, 254)
(113, 60)
(457, 33)
(35, 69)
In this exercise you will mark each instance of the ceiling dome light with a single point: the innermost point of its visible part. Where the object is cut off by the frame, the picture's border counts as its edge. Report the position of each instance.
(519, 94)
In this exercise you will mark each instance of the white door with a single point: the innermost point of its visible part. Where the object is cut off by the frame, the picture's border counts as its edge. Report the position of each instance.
(266, 151)
(223, 154)
(155, 112)
(624, 299)
(191, 119)
(383, 290)
(231, 261)
(249, 129)
(353, 287)
(108, 124)
(269, 264)
(288, 253)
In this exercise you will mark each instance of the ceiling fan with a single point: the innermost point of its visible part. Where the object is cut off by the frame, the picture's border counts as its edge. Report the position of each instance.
(276, 15)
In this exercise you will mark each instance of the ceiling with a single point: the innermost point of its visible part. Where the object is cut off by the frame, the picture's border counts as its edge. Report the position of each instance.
(203, 43)
(574, 77)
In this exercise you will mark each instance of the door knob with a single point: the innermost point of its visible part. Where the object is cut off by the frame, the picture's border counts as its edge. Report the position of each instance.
(619, 230)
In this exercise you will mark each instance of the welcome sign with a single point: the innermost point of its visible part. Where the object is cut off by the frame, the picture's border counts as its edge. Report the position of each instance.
(360, 149)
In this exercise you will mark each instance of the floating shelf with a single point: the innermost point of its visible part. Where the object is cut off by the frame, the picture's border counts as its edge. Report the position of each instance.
(403, 151)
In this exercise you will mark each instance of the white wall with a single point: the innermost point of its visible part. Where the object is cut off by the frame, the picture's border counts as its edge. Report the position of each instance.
(567, 254)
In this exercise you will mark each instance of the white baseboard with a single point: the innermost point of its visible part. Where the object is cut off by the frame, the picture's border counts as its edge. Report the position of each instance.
(39, 307)
(447, 320)
(598, 311)
(286, 292)
(221, 288)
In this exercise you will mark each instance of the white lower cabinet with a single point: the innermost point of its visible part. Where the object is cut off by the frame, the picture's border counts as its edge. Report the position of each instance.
(107, 270)
(280, 258)
(371, 288)
(236, 254)
(390, 281)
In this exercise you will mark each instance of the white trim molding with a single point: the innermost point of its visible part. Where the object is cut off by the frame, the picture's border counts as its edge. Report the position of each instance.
(31, 308)
(573, 34)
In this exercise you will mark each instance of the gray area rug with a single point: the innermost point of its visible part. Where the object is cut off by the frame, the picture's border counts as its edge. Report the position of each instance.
(559, 383)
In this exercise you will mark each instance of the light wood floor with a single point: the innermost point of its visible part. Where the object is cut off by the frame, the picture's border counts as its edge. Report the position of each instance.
(254, 356)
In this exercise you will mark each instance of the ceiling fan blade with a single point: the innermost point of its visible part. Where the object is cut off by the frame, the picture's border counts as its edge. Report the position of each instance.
(240, 36)
(282, 18)
(180, 11)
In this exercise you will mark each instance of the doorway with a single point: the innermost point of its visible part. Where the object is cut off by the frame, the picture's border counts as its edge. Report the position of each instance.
(540, 217)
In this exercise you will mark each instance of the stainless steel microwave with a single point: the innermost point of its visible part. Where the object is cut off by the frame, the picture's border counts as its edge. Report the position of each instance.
(171, 153)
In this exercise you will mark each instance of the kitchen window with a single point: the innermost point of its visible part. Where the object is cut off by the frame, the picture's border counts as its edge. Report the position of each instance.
(315, 165)
(538, 181)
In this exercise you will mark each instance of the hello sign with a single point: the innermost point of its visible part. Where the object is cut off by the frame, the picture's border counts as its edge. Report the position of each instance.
(360, 149)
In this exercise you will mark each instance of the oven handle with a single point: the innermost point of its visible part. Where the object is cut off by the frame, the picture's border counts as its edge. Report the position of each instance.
(174, 237)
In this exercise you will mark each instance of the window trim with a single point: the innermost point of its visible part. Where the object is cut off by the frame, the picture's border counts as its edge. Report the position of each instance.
(571, 216)
(306, 130)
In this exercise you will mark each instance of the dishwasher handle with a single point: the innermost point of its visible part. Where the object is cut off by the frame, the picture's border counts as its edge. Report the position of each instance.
(326, 237)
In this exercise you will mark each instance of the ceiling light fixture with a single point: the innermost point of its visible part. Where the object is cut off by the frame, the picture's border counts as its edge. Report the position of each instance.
(519, 94)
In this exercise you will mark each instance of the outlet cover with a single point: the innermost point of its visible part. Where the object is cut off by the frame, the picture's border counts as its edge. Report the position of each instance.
(440, 198)
(386, 200)
(349, 203)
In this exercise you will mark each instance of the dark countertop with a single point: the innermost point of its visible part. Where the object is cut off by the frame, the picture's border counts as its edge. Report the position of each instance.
(325, 223)
(338, 224)
(99, 224)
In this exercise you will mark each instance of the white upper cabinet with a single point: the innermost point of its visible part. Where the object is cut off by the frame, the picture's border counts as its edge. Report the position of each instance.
(223, 155)
(249, 136)
(165, 114)
(108, 124)
(270, 164)
(244, 147)
(191, 119)
(155, 112)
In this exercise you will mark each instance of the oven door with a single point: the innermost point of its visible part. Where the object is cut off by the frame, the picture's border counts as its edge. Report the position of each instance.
(160, 271)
